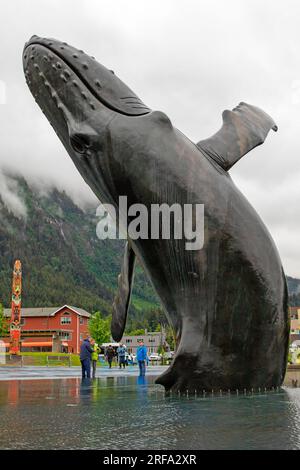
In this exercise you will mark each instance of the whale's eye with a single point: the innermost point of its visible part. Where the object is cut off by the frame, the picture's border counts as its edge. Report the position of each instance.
(79, 143)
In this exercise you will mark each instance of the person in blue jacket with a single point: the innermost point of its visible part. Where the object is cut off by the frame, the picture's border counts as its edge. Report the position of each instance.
(121, 351)
(85, 357)
(142, 357)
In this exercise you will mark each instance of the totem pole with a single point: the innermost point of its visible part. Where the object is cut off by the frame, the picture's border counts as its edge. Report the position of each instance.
(15, 322)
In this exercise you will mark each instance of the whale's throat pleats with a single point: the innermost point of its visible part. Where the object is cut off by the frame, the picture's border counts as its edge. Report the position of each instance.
(244, 128)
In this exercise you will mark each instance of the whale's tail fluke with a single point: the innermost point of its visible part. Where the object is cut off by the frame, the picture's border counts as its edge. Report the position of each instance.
(244, 128)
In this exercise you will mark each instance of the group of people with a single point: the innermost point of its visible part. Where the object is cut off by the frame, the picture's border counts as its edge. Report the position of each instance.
(89, 353)
(120, 353)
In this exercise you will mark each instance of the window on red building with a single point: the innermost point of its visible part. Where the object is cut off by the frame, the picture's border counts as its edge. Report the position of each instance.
(65, 320)
(65, 335)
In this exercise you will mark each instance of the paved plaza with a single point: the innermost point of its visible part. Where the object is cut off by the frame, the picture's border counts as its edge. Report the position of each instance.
(52, 372)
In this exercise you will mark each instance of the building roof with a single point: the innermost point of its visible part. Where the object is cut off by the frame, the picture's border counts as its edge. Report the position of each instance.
(80, 311)
(155, 334)
(47, 311)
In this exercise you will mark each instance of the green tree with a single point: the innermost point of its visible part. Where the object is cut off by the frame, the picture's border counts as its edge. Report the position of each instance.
(99, 328)
(138, 332)
(4, 323)
(170, 337)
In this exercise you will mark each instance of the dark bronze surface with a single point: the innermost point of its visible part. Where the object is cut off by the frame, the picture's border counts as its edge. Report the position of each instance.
(227, 302)
(122, 299)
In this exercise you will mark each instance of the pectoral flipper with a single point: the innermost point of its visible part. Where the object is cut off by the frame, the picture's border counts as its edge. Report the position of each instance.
(243, 129)
(122, 299)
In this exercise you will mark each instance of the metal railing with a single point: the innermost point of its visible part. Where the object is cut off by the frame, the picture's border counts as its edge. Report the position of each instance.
(58, 359)
(27, 360)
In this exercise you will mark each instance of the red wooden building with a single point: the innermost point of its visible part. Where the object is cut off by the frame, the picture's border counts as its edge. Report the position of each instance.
(56, 329)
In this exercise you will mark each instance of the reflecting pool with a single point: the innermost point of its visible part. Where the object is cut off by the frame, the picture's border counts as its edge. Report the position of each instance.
(134, 413)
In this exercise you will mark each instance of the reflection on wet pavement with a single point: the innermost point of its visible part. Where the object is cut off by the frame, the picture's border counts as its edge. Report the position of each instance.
(134, 413)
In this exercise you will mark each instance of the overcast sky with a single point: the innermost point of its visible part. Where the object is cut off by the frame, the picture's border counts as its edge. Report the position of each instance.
(189, 58)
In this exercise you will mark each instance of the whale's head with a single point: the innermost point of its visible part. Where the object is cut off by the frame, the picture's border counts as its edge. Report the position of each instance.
(81, 98)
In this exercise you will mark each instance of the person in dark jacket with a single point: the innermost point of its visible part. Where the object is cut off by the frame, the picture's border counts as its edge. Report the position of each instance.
(110, 354)
(85, 358)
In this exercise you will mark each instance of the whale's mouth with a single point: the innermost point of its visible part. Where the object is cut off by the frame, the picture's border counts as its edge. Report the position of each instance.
(101, 82)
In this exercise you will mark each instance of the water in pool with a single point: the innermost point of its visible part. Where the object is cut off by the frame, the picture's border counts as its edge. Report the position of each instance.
(134, 413)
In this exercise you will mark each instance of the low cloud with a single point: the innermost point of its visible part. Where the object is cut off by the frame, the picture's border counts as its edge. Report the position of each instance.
(10, 198)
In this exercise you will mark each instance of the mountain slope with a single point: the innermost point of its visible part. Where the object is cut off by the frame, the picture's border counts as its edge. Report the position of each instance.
(63, 260)
(294, 290)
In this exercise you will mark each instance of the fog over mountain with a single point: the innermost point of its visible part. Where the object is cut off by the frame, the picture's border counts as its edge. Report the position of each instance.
(190, 59)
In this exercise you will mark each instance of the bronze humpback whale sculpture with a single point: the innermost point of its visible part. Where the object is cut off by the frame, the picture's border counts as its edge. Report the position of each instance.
(227, 302)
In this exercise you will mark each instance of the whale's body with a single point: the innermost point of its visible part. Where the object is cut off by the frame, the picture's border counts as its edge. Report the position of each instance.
(227, 302)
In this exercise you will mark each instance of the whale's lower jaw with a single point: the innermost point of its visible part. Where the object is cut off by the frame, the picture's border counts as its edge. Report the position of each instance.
(188, 374)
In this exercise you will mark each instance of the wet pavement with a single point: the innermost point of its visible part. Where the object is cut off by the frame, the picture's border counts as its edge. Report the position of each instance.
(131, 412)
(52, 372)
